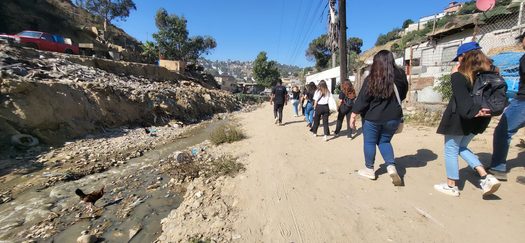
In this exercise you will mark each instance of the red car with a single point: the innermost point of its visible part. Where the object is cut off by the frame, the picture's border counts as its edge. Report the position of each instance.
(42, 41)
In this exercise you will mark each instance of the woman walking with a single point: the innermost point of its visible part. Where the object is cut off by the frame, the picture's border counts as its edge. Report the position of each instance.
(295, 100)
(346, 98)
(378, 101)
(309, 109)
(321, 99)
(463, 119)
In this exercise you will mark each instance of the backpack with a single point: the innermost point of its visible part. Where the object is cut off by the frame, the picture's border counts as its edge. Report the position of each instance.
(490, 91)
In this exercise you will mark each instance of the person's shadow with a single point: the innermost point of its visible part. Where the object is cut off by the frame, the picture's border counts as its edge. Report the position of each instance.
(420, 159)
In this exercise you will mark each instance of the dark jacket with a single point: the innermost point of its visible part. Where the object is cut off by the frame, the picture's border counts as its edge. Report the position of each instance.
(521, 88)
(381, 110)
(459, 116)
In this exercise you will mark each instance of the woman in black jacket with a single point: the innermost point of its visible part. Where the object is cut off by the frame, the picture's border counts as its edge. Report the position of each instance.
(463, 119)
(382, 112)
(346, 101)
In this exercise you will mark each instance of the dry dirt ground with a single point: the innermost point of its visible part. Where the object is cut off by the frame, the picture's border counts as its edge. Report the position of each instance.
(298, 188)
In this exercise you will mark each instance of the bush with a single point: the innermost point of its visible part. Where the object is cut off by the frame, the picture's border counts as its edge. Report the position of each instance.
(226, 165)
(444, 87)
(227, 134)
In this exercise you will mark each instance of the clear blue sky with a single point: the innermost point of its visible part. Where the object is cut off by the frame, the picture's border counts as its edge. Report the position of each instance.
(282, 28)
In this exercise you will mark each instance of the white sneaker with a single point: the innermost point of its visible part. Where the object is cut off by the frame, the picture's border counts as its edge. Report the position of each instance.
(396, 180)
(314, 134)
(368, 173)
(276, 120)
(489, 185)
(444, 188)
(325, 138)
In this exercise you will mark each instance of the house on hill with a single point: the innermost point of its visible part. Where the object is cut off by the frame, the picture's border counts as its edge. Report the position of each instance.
(428, 59)
(227, 82)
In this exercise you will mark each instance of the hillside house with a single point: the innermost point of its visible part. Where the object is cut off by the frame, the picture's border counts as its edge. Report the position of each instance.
(227, 82)
(426, 62)
(453, 7)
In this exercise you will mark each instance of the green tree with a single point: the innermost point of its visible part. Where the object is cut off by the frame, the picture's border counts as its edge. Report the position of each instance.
(174, 41)
(354, 44)
(390, 36)
(108, 9)
(319, 52)
(407, 22)
(265, 72)
(150, 52)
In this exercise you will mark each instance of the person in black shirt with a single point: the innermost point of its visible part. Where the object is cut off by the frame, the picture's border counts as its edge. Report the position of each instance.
(295, 99)
(346, 97)
(309, 109)
(279, 99)
(511, 121)
(382, 112)
(463, 119)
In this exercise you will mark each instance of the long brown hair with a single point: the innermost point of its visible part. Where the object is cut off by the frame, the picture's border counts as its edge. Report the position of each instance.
(472, 63)
(323, 88)
(348, 89)
(382, 74)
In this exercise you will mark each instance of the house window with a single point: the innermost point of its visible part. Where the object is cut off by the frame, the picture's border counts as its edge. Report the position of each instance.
(448, 54)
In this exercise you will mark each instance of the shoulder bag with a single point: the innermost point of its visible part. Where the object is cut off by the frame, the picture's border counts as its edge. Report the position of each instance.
(401, 124)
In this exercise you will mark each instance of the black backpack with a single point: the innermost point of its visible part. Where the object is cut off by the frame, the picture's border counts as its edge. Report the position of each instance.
(490, 92)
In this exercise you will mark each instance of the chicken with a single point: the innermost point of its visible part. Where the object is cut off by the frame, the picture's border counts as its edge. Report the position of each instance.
(90, 198)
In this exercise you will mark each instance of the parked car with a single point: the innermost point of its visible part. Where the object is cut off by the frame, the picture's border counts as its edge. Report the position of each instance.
(42, 41)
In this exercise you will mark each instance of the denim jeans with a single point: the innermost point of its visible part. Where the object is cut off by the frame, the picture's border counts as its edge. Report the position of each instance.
(380, 134)
(309, 113)
(295, 103)
(457, 145)
(511, 121)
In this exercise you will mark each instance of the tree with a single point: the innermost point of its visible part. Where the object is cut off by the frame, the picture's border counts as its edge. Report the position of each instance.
(174, 41)
(319, 51)
(407, 22)
(354, 44)
(108, 9)
(150, 52)
(265, 72)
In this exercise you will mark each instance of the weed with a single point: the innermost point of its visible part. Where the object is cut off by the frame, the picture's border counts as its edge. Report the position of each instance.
(226, 165)
(227, 134)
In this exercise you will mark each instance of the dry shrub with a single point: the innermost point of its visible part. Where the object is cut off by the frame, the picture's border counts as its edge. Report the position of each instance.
(227, 134)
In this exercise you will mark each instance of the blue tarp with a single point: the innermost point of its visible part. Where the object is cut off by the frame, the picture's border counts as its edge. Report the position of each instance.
(508, 64)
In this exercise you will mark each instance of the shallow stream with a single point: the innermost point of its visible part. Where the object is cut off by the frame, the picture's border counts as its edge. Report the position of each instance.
(136, 199)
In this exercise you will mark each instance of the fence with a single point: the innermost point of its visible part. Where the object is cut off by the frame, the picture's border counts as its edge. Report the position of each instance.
(426, 62)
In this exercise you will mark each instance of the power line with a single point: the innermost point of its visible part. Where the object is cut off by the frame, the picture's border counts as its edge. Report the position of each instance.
(310, 28)
(300, 33)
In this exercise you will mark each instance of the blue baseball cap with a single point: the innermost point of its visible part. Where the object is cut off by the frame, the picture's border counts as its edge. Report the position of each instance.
(466, 47)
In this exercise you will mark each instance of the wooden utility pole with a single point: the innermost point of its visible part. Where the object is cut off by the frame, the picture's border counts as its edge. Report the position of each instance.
(342, 41)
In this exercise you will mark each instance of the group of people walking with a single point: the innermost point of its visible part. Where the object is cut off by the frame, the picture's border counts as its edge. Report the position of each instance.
(379, 104)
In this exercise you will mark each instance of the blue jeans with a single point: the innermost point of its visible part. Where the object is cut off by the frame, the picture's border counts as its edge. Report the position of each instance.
(457, 145)
(295, 103)
(309, 113)
(380, 134)
(511, 121)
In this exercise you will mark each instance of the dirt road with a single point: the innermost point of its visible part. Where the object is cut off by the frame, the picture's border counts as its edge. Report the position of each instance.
(298, 188)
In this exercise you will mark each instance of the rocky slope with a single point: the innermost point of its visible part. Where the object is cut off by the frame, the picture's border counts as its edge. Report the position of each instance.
(45, 95)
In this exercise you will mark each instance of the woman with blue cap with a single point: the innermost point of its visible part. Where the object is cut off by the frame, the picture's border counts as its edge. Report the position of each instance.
(463, 119)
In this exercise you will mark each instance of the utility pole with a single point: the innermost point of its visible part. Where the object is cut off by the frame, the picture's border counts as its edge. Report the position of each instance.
(342, 41)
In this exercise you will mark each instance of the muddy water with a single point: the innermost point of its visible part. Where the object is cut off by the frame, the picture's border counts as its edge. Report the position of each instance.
(136, 199)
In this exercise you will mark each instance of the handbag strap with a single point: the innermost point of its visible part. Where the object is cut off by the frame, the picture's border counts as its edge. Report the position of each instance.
(397, 95)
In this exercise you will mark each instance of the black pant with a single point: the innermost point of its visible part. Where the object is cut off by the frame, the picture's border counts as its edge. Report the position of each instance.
(321, 111)
(278, 111)
(344, 111)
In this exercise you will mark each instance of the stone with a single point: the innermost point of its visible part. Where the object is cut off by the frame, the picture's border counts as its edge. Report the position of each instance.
(87, 239)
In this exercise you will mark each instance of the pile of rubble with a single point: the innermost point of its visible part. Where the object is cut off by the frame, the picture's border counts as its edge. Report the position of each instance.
(45, 95)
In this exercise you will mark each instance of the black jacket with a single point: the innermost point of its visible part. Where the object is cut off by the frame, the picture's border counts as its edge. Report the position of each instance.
(459, 116)
(381, 110)
(521, 89)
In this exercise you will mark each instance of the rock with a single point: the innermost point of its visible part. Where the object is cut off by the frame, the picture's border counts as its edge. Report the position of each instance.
(198, 194)
(133, 231)
(87, 239)
(183, 157)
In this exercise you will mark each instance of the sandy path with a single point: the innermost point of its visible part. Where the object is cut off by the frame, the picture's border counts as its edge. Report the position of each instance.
(298, 188)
